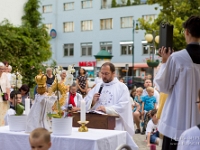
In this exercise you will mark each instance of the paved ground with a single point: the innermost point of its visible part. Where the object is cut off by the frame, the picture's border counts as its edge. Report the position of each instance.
(140, 141)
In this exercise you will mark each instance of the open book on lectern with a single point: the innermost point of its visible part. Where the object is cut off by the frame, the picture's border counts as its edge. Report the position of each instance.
(96, 112)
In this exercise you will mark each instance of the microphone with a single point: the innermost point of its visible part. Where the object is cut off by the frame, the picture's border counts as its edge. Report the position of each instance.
(100, 89)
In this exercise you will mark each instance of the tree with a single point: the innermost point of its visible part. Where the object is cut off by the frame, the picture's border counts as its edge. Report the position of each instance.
(128, 3)
(114, 3)
(26, 47)
(174, 12)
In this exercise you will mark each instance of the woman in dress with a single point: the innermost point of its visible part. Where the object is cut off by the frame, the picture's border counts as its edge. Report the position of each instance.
(5, 86)
(82, 82)
(50, 77)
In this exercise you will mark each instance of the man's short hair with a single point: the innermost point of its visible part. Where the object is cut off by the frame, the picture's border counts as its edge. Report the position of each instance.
(112, 67)
(40, 133)
(13, 93)
(193, 26)
(73, 85)
(153, 112)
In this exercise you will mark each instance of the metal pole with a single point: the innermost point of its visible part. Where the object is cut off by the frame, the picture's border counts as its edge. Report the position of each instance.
(133, 55)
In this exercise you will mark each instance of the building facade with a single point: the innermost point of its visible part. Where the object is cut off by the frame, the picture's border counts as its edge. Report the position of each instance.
(85, 27)
(12, 10)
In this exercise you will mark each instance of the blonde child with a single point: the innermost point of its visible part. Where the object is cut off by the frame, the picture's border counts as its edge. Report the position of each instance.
(138, 100)
(40, 139)
(149, 103)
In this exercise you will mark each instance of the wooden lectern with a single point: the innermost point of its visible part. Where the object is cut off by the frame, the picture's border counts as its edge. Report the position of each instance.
(96, 121)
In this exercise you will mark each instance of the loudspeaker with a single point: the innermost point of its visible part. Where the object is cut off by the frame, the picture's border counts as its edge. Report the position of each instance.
(166, 35)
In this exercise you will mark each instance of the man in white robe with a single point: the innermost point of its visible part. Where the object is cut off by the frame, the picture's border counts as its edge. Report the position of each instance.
(113, 100)
(179, 77)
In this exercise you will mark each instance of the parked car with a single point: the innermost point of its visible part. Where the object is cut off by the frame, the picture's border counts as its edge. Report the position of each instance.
(133, 82)
(91, 82)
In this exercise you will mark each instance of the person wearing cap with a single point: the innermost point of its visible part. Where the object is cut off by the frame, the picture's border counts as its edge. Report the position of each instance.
(5, 88)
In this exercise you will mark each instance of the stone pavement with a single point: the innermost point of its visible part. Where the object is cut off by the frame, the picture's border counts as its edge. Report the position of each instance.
(140, 140)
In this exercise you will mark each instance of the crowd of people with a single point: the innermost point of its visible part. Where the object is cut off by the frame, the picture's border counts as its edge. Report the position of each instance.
(164, 110)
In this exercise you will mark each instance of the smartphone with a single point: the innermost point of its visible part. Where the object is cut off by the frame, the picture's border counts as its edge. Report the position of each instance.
(166, 36)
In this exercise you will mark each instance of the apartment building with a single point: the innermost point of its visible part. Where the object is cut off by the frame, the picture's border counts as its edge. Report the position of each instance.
(84, 27)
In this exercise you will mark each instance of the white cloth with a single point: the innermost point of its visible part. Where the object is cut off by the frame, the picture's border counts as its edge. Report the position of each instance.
(4, 83)
(116, 99)
(98, 80)
(77, 100)
(37, 116)
(8, 113)
(151, 127)
(190, 139)
(180, 79)
(94, 139)
(156, 94)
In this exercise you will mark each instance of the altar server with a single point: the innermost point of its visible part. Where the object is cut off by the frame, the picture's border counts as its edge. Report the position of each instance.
(179, 77)
(73, 98)
(112, 97)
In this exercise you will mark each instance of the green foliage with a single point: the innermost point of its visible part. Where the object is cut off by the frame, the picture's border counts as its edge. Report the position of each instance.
(128, 3)
(136, 2)
(32, 16)
(26, 47)
(114, 3)
(174, 12)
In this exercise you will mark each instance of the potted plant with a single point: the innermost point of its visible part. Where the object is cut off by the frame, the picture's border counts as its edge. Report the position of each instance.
(16, 116)
(152, 63)
(61, 117)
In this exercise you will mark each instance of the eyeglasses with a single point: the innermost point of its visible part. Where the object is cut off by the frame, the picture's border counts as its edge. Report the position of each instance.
(198, 102)
(106, 73)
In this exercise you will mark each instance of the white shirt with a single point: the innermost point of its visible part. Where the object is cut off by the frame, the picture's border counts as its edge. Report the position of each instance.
(151, 127)
(77, 100)
(180, 79)
(116, 99)
(190, 139)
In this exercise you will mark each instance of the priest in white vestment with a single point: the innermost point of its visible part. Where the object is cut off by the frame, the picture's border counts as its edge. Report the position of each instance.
(179, 77)
(113, 100)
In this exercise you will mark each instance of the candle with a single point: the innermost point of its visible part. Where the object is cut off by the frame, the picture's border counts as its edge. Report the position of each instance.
(83, 114)
(27, 106)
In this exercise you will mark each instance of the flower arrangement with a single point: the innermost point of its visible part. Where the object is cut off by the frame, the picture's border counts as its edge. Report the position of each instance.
(16, 79)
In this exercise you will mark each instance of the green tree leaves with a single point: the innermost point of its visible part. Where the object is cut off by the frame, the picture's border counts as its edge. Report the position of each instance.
(174, 12)
(26, 47)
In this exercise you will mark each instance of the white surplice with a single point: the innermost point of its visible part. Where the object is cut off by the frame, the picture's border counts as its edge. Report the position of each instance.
(116, 99)
(180, 79)
(37, 116)
(77, 100)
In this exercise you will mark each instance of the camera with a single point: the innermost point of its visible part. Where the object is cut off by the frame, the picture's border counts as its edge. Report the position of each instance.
(166, 35)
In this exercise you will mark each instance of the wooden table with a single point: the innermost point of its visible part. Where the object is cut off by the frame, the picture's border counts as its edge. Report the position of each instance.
(96, 121)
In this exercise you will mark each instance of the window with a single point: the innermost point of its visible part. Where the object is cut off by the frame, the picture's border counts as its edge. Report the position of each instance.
(86, 25)
(68, 49)
(47, 8)
(68, 26)
(106, 46)
(86, 4)
(48, 27)
(86, 49)
(126, 48)
(126, 22)
(68, 6)
(104, 4)
(106, 24)
(149, 18)
(147, 49)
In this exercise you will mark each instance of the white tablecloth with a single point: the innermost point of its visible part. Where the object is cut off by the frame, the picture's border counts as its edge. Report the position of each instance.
(94, 139)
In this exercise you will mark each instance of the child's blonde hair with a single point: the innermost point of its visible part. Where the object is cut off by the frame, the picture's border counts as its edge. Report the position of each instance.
(150, 89)
(41, 133)
(141, 89)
